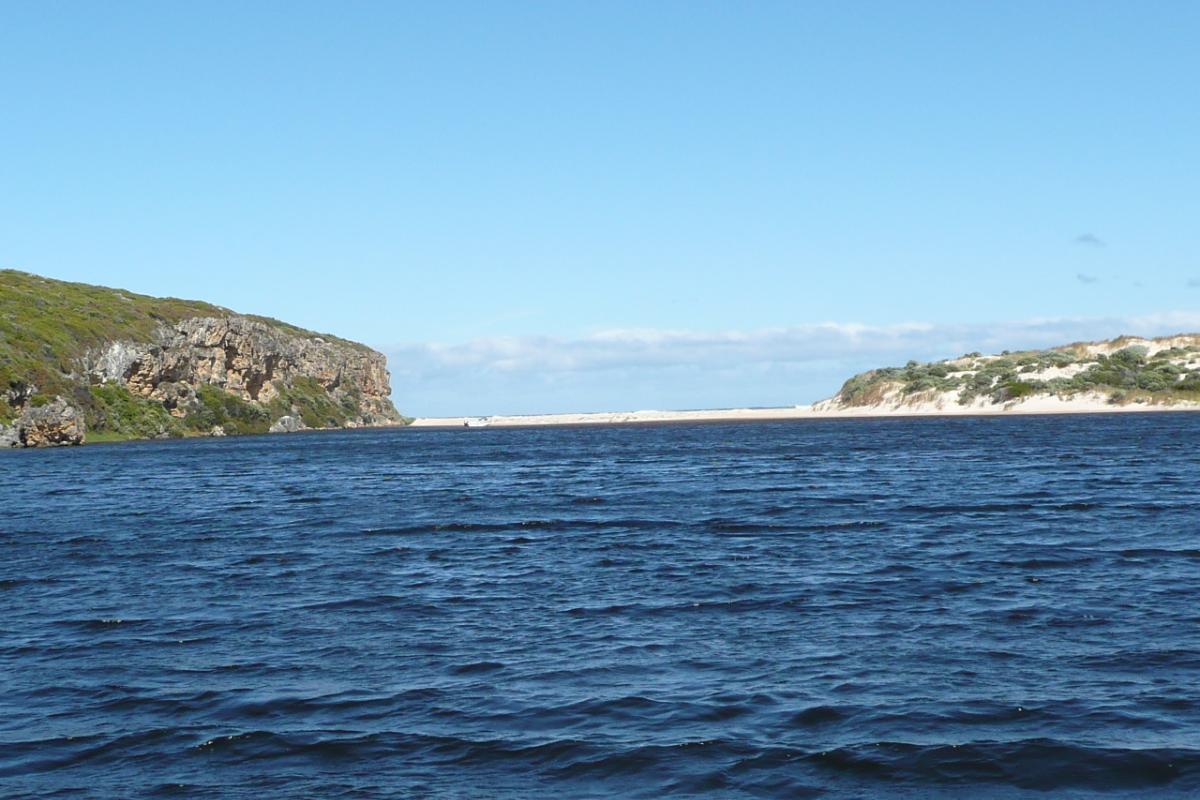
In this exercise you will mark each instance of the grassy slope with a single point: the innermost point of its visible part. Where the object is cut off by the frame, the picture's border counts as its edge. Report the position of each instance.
(46, 327)
(1127, 375)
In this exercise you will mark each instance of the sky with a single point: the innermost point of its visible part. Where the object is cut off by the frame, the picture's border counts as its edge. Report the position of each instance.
(569, 206)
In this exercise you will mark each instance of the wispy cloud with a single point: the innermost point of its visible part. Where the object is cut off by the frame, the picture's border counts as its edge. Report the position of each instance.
(654, 368)
(1194, 283)
(823, 342)
(1085, 278)
(1089, 240)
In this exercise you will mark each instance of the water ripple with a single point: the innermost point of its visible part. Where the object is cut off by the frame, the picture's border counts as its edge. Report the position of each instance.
(902, 608)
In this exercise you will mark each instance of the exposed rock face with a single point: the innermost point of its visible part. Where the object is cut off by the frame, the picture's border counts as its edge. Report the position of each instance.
(131, 366)
(56, 423)
(288, 424)
(251, 360)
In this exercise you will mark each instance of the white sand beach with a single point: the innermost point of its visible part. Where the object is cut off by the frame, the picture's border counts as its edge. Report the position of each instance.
(893, 400)
(1042, 404)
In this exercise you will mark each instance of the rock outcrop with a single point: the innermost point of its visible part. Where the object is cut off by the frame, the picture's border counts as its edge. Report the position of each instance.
(287, 424)
(76, 357)
(53, 424)
(253, 361)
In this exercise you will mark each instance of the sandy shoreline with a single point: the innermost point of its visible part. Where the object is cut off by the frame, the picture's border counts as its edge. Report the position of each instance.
(818, 411)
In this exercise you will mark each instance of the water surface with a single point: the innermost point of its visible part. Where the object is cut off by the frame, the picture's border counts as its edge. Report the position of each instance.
(906, 608)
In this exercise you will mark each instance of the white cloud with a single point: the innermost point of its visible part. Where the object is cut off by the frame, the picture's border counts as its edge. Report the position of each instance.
(626, 348)
(638, 368)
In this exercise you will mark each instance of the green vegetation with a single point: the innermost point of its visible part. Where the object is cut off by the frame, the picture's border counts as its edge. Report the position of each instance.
(314, 405)
(306, 398)
(233, 414)
(1128, 375)
(106, 437)
(48, 327)
(114, 409)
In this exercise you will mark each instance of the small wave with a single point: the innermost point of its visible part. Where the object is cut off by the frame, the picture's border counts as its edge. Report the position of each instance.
(44, 755)
(1136, 660)
(857, 524)
(734, 527)
(1077, 506)
(83, 539)
(1158, 552)
(173, 790)
(1042, 764)
(389, 602)
(564, 524)
(738, 605)
(477, 667)
(260, 745)
(818, 715)
(1048, 563)
(965, 508)
(102, 623)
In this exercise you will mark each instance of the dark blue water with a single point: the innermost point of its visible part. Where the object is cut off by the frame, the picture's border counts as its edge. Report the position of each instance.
(899, 608)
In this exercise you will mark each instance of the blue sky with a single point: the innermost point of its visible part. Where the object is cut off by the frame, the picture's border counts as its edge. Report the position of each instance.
(573, 206)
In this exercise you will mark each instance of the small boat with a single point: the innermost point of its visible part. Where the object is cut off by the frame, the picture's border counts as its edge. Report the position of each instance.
(477, 422)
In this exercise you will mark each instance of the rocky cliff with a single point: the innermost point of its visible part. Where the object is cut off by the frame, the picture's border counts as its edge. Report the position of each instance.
(80, 361)
(55, 423)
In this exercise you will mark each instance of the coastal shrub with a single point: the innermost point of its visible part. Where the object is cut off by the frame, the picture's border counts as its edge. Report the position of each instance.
(111, 408)
(1152, 381)
(931, 383)
(866, 387)
(1159, 376)
(939, 370)
(1120, 373)
(975, 385)
(219, 407)
(997, 367)
(981, 382)
(922, 384)
(1130, 356)
(308, 399)
(1129, 370)
(1015, 390)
